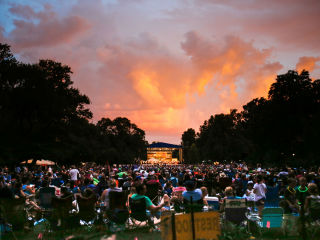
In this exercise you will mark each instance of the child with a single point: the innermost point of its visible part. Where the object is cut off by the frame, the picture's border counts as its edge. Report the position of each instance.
(249, 195)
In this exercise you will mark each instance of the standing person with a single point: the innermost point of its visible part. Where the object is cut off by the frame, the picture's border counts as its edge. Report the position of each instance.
(249, 195)
(259, 190)
(302, 191)
(290, 201)
(272, 195)
(74, 174)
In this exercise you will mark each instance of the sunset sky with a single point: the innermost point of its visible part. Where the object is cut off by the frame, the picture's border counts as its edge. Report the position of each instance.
(167, 65)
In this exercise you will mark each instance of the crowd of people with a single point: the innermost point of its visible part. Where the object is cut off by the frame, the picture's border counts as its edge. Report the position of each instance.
(90, 185)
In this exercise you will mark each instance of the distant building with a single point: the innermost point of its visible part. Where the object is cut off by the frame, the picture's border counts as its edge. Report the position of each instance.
(162, 153)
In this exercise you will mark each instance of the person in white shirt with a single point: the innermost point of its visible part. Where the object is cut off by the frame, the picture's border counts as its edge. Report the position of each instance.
(74, 173)
(259, 190)
(249, 195)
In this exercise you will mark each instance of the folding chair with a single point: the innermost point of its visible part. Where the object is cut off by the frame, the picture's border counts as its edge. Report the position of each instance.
(13, 212)
(62, 208)
(87, 211)
(235, 210)
(195, 206)
(45, 197)
(118, 211)
(138, 212)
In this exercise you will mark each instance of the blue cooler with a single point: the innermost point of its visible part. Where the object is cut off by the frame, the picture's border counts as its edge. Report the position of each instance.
(213, 202)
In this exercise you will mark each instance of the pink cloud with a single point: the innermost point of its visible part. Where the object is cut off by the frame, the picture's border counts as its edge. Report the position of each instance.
(49, 31)
(170, 70)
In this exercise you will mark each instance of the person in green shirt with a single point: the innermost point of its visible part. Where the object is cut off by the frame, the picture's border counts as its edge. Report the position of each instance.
(141, 190)
(302, 191)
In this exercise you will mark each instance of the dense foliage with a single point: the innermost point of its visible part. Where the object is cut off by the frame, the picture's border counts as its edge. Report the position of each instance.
(43, 116)
(282, 129)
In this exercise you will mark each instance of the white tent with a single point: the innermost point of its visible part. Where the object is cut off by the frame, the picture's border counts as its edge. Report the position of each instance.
(40, 162)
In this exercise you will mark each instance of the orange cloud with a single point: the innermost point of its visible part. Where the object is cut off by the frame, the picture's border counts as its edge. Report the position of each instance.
(148, 64)
(307, 63)
(235, 64)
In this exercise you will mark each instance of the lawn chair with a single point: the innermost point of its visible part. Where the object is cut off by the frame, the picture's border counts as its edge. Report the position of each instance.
(118, 211)
(235, 210)
(45, 197)
(62, 208)
(87, 211)
(195, 206)
(13, 212)
(272, 218)
(138, 212)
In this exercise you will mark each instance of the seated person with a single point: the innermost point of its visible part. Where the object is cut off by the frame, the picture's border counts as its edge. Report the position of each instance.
(87, 184)
(204, 191)
(192, 192)
(195, 195)
(19, 193)
(86, 203)
(65, 193)
(105, 194)
(168, 188)
(127, 183)
(312, 203)
(141, 190)
(177, 192)
(229, 194)
(5, 190)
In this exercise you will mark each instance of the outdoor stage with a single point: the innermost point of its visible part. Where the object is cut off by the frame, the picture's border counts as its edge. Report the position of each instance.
(162, 153)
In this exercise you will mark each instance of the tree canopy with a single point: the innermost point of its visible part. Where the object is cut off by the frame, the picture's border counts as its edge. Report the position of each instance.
(282, 129)
(43, 116)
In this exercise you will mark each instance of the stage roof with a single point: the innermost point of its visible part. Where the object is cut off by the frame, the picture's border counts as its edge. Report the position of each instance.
(163, 145)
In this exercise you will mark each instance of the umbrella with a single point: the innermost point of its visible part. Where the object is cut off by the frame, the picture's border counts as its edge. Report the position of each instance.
(39, 162)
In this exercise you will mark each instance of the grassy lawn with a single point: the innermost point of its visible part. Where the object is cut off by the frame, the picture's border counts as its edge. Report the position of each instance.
(101, 233)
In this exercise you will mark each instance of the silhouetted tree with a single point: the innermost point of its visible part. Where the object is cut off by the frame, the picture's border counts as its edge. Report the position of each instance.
(125, 141)
(280, 130)
(188, 138)
(43, 116)
(220, 138)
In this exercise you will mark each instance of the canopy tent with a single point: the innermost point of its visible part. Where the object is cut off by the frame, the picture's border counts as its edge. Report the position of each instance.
(40, 162)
